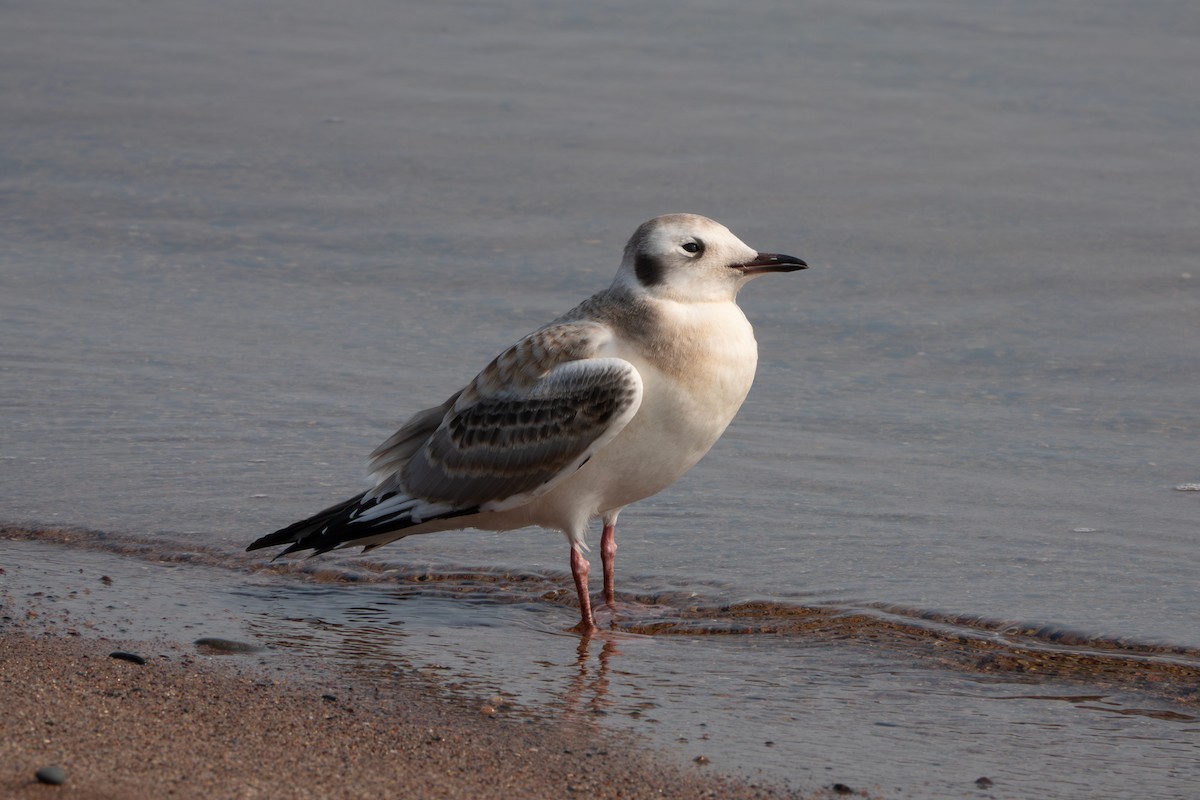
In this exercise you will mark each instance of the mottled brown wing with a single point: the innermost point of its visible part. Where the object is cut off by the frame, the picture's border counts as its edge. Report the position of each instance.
(533, 417)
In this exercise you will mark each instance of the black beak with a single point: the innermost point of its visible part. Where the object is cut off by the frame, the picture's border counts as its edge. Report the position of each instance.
(772, 262)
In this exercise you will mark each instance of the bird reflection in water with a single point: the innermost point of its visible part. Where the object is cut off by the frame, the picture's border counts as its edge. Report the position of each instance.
(587, 692)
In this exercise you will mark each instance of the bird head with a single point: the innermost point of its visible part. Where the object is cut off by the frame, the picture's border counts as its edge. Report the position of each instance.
(692, 259)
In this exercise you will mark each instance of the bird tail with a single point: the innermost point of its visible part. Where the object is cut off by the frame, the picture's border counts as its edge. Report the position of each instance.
(361, 518)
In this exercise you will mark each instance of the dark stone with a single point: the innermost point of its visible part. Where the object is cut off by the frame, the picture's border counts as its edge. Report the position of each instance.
(983, 783)
(133, 658)
(55, 776)
(841, 788)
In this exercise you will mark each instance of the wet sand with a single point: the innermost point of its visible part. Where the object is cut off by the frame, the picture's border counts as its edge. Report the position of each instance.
(399, 669)
(188, 725)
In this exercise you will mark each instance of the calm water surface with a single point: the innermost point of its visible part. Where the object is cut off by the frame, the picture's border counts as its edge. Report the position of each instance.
(242, 245)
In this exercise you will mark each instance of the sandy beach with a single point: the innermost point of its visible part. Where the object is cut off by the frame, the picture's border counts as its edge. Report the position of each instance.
(188, 725)
(274, 713)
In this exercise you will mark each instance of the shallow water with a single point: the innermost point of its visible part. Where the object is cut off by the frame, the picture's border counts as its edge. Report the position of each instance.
(807, 710)
(236, 256)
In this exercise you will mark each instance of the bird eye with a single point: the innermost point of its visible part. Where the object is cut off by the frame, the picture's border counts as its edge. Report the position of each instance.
(691, 247)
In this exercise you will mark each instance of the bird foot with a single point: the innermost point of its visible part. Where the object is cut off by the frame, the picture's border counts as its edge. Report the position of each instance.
(585, 628)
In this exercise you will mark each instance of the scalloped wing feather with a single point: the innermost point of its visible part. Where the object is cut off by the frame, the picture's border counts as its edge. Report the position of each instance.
(528, 420)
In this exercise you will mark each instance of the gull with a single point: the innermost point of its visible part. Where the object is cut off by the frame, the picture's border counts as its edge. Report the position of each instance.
(608, 404)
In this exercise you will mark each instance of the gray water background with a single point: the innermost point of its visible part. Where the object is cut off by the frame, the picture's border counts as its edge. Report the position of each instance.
(240, 244)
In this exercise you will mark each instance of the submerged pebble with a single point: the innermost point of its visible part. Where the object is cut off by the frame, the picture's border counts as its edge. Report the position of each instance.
(226, 645)
(55, 776)
(133, 658)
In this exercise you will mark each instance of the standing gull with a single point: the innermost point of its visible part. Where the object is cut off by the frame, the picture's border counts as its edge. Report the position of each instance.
(608, 404)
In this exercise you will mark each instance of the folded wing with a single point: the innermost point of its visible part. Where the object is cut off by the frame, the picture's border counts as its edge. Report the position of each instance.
(528, 421)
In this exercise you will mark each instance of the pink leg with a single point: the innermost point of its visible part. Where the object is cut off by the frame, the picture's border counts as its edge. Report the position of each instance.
(608, 557)
(579, 571)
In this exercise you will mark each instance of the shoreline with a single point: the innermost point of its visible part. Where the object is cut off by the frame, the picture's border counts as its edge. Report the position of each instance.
(962, 643)
(255, 718)
(407, 710)
(189, 725)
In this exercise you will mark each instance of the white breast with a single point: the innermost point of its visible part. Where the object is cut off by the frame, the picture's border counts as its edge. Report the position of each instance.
(695, 378)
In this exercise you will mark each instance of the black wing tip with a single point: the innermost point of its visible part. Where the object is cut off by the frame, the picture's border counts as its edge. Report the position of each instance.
(328, 529)
(317, 542)
(270, 540)
(311, 532)
(274, 540)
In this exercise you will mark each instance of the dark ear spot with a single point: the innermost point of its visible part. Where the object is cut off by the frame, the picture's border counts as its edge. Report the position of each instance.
(649, 270)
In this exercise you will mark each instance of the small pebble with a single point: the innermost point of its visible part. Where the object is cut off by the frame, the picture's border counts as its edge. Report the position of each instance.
(488, 711)
(329, 698)
(984, 782)
(55, 776)
(131, 657)
(841, 788)
(497, 700)
(107, 581)
(701, 759)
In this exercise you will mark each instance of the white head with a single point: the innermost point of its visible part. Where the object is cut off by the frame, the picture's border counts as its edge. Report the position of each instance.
(691, 259)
